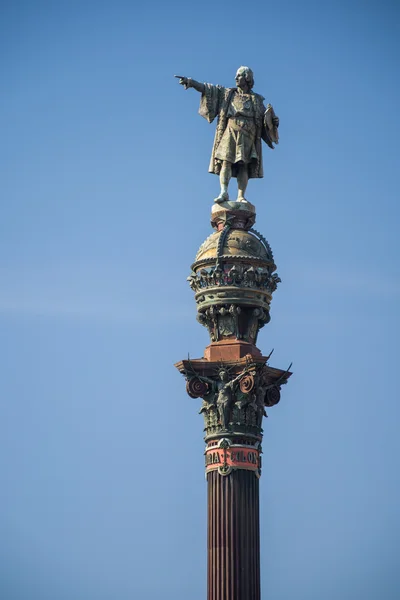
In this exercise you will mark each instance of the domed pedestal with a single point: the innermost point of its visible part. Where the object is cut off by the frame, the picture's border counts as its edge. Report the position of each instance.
(234, 277)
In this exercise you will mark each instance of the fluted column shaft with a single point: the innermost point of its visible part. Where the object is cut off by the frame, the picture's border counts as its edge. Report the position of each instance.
(233, 536)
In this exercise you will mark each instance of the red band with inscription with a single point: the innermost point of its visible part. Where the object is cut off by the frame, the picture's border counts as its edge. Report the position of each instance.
(226, 457)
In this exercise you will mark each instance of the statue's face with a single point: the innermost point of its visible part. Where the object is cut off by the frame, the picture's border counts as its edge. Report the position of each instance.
(223, 376)
(240, 78)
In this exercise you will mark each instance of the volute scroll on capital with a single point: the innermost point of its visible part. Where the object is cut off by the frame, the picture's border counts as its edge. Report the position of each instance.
(234, 400)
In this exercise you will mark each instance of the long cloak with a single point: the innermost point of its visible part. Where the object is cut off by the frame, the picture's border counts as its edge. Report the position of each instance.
(214, 103)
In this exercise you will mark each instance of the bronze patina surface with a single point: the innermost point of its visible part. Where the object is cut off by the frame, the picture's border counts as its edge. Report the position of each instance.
(242, 122)
(233, 279)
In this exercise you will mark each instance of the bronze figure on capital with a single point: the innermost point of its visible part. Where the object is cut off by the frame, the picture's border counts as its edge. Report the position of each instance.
(243, 121)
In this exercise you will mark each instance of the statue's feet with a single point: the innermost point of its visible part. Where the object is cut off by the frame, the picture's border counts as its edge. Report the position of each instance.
(223, 197)
(241, 199)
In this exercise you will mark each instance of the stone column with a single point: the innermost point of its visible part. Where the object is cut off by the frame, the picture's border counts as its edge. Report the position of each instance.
(233, 278)
(233, 536)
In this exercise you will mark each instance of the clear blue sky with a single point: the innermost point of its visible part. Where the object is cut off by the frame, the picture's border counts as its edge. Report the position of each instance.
(105, 198)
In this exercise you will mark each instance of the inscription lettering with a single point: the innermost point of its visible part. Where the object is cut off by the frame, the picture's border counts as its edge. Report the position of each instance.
(239, 457)
(213, 458)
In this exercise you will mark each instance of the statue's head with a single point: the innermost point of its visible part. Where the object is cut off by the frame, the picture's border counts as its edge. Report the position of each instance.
(244, 75)
(223, 375)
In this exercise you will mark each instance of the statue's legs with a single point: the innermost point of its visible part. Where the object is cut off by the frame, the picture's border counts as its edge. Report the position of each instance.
(242, 180)
(224, 411)
(224, 179)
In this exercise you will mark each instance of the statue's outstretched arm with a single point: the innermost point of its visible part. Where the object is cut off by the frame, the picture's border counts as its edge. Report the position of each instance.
(188, 82)
(242, 374)
(206, 379)
(239, 377)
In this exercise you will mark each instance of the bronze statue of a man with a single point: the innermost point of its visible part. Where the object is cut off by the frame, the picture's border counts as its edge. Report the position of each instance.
(243, 121)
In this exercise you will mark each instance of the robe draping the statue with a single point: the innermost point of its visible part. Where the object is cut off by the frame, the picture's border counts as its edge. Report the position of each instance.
(243, 122)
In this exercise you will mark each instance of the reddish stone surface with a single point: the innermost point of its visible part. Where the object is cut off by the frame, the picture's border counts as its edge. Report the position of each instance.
(228, 350)
(233, 536)
(236, 456)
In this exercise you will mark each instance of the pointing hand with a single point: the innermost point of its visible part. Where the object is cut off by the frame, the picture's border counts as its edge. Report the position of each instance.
(183, 81)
